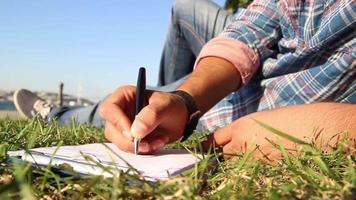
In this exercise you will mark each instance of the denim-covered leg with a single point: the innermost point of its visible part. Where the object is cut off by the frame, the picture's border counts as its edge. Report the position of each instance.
(83, 115)
(169, 87)
(193, 23)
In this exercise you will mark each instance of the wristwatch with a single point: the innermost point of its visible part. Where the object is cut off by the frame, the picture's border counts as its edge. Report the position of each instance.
(193, 113)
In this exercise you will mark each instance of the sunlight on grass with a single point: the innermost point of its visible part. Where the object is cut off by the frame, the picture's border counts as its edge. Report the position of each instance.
(309, 173)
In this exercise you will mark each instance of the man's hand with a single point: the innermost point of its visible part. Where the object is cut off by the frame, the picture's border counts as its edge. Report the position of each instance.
(161, 121)
(245, 134)
(332, 120)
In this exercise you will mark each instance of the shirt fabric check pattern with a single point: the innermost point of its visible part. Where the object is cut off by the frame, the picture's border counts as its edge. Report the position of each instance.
(305, 53)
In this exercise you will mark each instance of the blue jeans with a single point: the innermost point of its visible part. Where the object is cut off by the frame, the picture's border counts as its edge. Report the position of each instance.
(193, 23)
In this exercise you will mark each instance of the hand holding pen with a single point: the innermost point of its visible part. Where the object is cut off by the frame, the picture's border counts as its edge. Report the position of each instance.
(161, 121)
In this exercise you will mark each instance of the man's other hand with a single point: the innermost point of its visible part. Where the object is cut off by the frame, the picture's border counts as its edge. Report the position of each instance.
(332, 120)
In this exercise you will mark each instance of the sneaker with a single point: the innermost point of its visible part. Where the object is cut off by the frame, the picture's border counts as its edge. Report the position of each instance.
(29, 105)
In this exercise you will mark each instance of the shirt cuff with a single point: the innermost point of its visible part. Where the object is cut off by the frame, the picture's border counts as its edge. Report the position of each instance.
(236, 52)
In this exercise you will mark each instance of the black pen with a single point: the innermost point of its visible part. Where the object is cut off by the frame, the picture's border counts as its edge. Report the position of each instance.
(140, 99)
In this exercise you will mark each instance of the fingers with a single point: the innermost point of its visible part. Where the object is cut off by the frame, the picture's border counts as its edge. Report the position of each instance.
(153, 119)
(113, 114)
(147, 120)
(223, 135)
(115, 136)
(229, 150)
(150, 144)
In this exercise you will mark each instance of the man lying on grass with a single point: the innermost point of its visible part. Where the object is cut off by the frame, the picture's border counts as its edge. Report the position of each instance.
(277, 62)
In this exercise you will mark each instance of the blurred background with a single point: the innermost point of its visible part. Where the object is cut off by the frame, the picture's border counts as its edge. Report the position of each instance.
(92, 47)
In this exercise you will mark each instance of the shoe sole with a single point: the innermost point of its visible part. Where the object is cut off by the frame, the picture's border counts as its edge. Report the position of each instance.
(17, 105)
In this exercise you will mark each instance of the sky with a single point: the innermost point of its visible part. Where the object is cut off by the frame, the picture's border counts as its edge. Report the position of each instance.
(91, 46)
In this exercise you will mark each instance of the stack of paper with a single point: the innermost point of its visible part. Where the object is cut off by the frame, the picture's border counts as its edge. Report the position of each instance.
(160, 166)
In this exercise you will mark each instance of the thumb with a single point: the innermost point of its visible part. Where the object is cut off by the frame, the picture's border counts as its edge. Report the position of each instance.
(223, 136)
(147, 120)
(220, 137)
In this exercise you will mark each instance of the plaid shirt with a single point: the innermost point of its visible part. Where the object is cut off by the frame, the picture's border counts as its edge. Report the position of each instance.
(306, 51)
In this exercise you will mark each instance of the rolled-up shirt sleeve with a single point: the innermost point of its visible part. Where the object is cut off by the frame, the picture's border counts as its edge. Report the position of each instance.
(247, 41)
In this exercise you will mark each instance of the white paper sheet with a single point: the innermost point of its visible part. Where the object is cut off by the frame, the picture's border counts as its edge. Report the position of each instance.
(160, 166)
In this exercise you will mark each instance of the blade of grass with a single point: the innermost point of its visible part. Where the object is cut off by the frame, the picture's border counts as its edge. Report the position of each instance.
(319, 161)
(281, 134)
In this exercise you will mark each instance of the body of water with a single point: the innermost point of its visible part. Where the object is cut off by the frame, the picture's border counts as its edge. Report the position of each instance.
(7, 105)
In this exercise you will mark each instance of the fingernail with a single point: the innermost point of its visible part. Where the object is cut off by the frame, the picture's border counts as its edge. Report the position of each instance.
(138, 129)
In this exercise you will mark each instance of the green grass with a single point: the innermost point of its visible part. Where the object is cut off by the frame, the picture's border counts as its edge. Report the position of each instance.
(310, 173)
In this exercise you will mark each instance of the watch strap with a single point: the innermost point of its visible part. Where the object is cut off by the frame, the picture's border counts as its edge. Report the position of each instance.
(194, 113)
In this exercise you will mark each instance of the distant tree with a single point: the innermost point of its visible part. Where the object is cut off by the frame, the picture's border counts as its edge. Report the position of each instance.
(232, 5)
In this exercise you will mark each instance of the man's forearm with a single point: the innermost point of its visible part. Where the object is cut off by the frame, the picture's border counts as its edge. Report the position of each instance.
(301, 121)
(212, 80)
